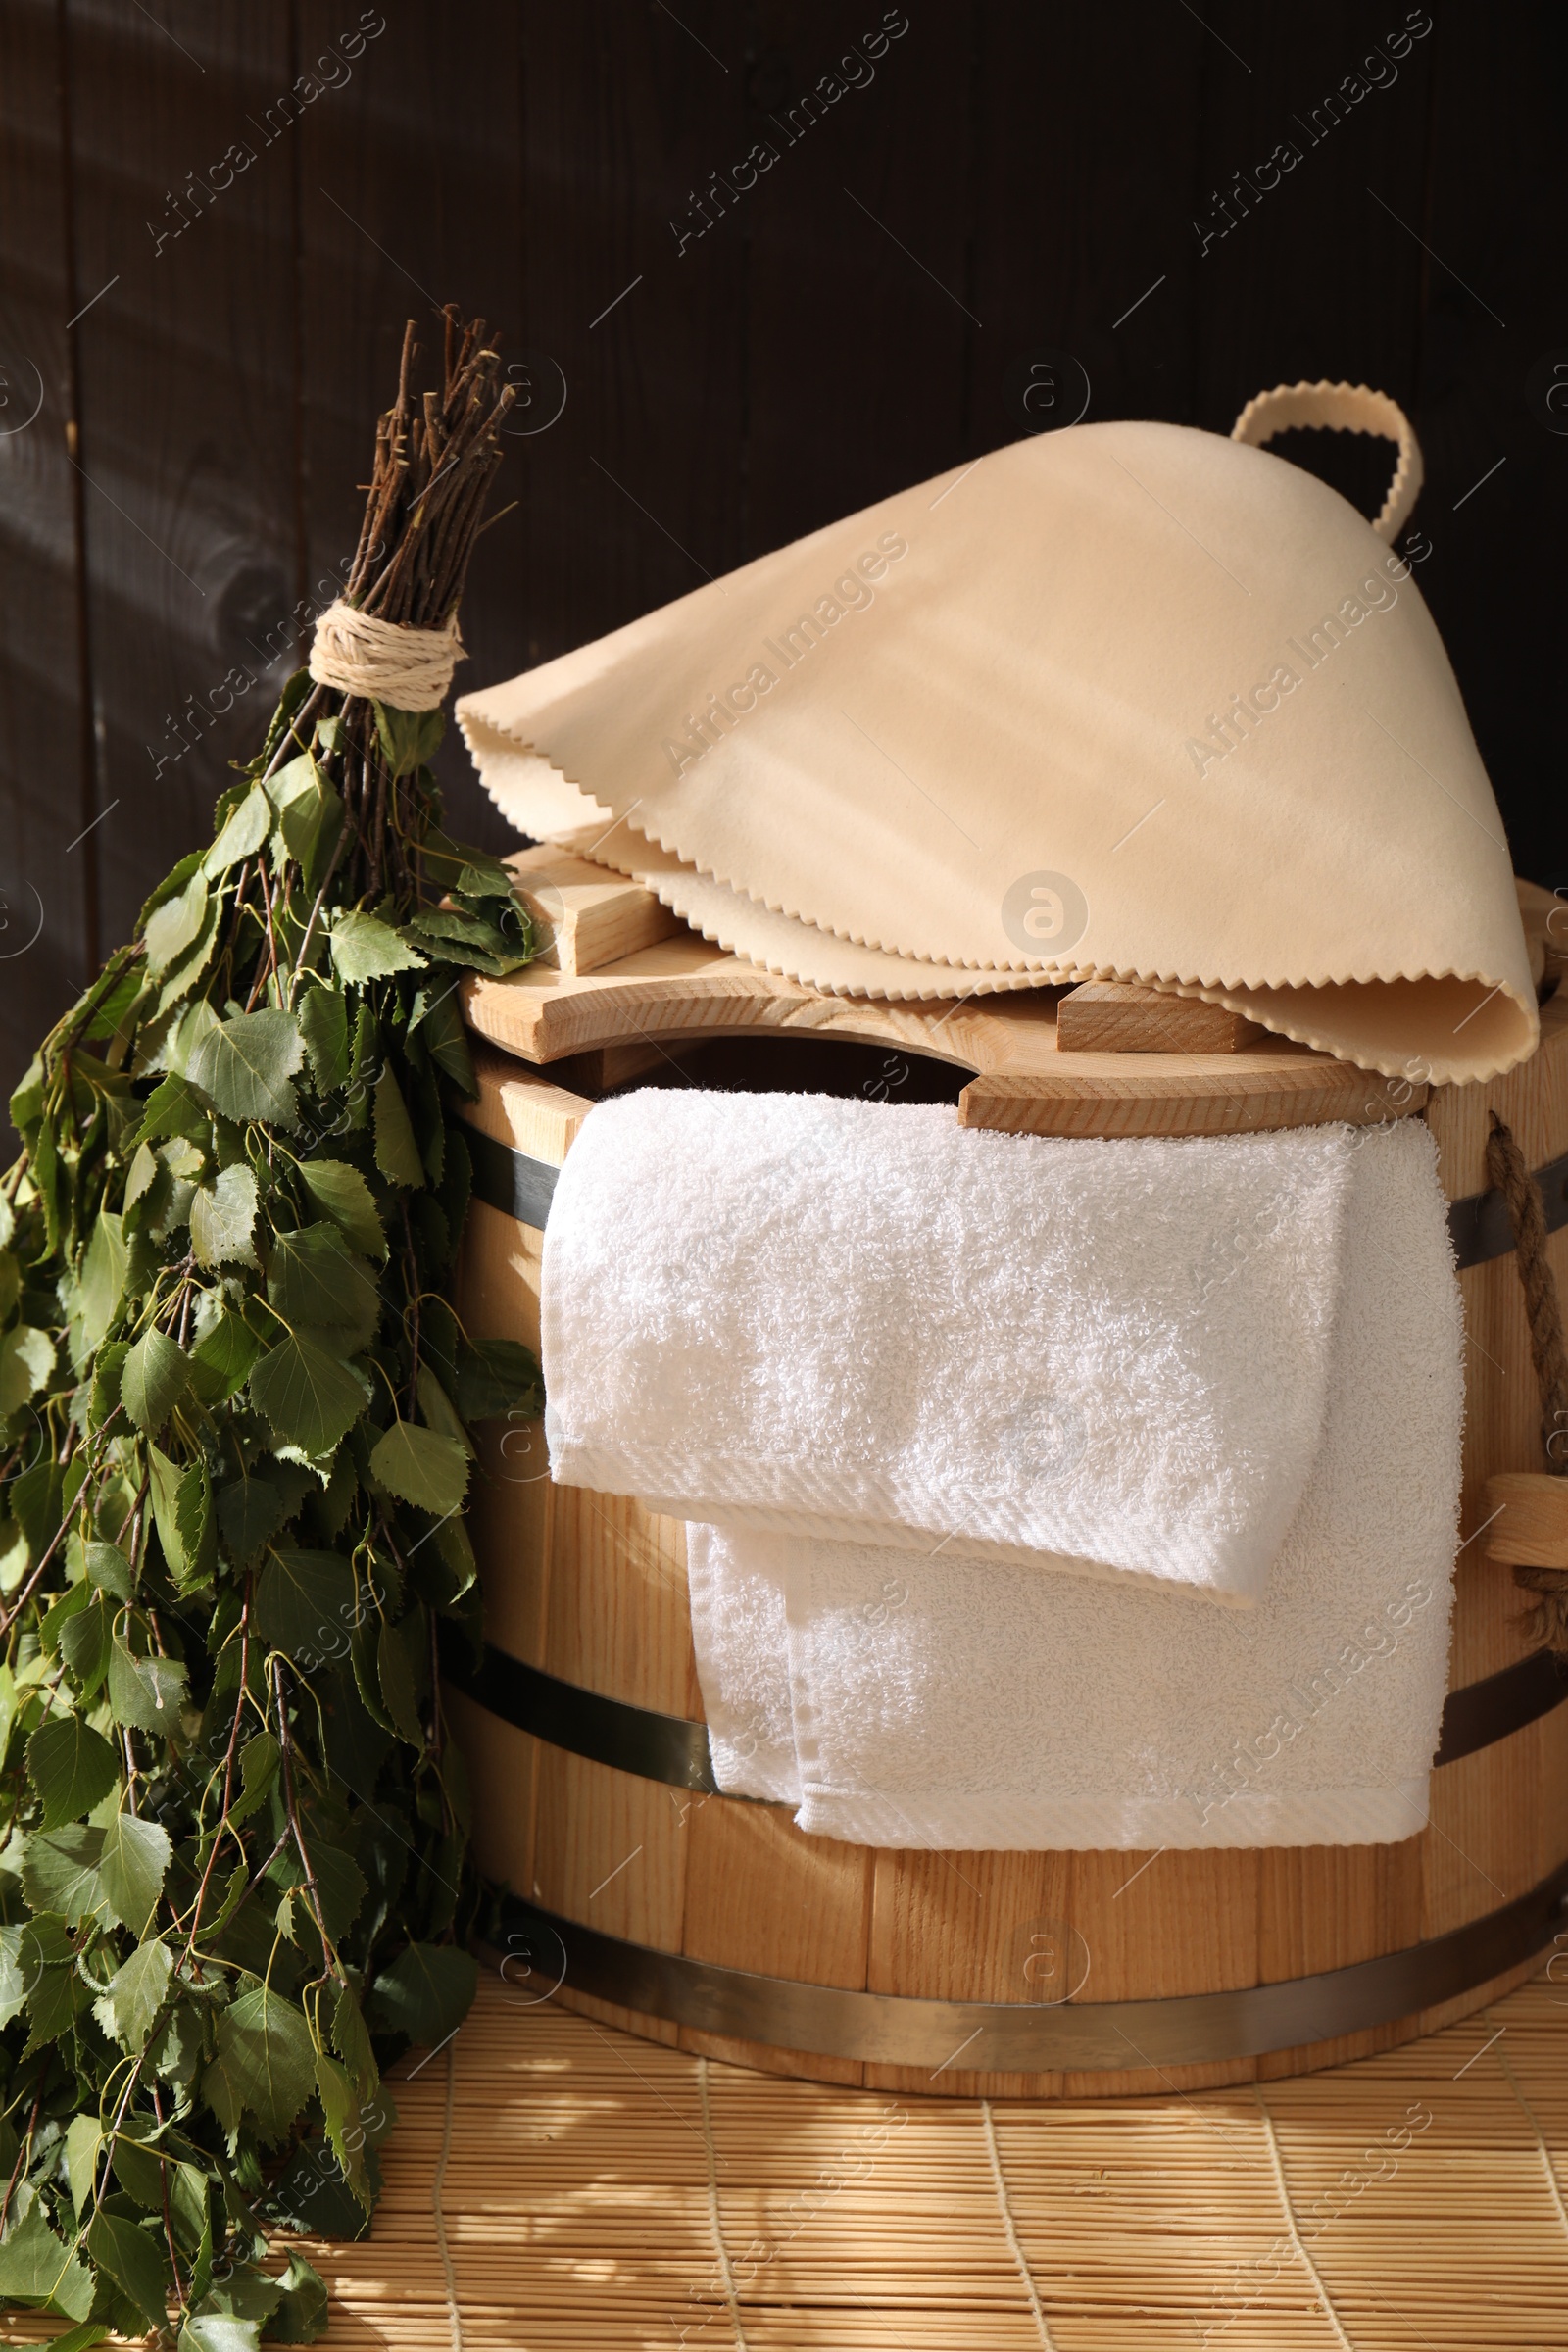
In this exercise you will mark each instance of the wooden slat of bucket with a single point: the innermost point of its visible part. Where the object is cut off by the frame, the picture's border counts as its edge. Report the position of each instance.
(812, 1923)
(1327, 1906)
(610, 1848)
(1185, 1922)
(973, 1926)
(749, 1894)
(621, 1620)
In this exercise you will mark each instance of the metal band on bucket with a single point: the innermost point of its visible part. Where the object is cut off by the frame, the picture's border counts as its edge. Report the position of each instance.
(1201, 2028)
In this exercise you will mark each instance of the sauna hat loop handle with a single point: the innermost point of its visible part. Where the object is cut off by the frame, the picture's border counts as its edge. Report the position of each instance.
(1341, 408)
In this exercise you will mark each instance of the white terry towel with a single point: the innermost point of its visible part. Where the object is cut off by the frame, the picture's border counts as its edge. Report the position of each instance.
(862, 1321)
(902, 1702)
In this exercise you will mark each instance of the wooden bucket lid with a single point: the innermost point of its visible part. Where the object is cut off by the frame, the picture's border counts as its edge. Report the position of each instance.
(620, 975)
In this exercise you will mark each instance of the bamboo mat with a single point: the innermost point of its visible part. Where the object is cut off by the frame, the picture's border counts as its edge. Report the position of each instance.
(596, 2191)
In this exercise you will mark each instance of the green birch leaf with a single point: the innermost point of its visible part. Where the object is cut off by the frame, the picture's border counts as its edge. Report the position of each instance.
(458, 866)
(222, 1359)
(258, 1770)
(250, 1510)
(45, 1174)
(245, 1068)
(26, 1100)
(175, 927)
(132, 1864)
(396, 1675)
(162, 1479)
(103, 1277)
(129, 2005)
(37, 1503)
(437, 1407)
(135, 2260)
(143, 1169)
(302, 2312)
(366, 949)
(153, 1380)
(84, 2138)
(73, 1600)
(497, 1377)
(365, 1066)
(13, 1558)
(341, 1192)
(138, 2171)
(84, 1644)
(408, 738)
(109, 1570)
(314, 1277)
(340, 1884)
(439, 1024)
(323, 1022)
(305, 1601)
(397, 1153)
(341, 2107)
(169, 888)
(193, 1524)
(427, 1992)
(13, 1979)
(178, 2049)
(222, 1217)
(352, 2042)
(37, 2266)
(105, 1394)
(294, 780)
(219, 2332)
(55, 2000)
(173, 1108)
(448, 924)
(311, 823)
(26, 1359)
(421, 1467)
(309, 1397)
(183, 976)
(246, 830)
(147, 1694)
(266, 2064)
(182, 1514)
(60, 1874)
(71, 1766)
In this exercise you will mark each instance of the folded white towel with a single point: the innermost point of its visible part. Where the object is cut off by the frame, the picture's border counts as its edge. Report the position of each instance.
(905, 1701)
(863, 1321)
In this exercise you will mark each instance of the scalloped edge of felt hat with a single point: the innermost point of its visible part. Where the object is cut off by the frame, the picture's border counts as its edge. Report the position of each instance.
(1251, 997)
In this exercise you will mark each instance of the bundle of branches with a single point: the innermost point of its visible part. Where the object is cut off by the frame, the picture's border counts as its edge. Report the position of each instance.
(234, 1413)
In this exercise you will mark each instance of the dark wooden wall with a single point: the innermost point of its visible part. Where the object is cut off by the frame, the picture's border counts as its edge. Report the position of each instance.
(1010, 178)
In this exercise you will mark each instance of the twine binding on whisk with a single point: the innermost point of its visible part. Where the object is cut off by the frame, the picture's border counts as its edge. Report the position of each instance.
(410, 670)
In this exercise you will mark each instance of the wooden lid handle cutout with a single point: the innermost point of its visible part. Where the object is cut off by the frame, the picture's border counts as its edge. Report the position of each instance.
(1341, 408)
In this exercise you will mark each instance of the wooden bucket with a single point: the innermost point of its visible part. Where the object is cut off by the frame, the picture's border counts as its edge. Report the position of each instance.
(641, 1897)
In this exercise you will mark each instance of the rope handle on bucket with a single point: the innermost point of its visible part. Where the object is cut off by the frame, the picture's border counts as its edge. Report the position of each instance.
(1341, 408)
(1508, 1170)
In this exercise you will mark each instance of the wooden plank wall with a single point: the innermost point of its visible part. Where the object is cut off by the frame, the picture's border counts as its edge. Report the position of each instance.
(1000, 184)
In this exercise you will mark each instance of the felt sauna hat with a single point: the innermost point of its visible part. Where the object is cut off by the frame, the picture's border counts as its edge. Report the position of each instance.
(1123, 702)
